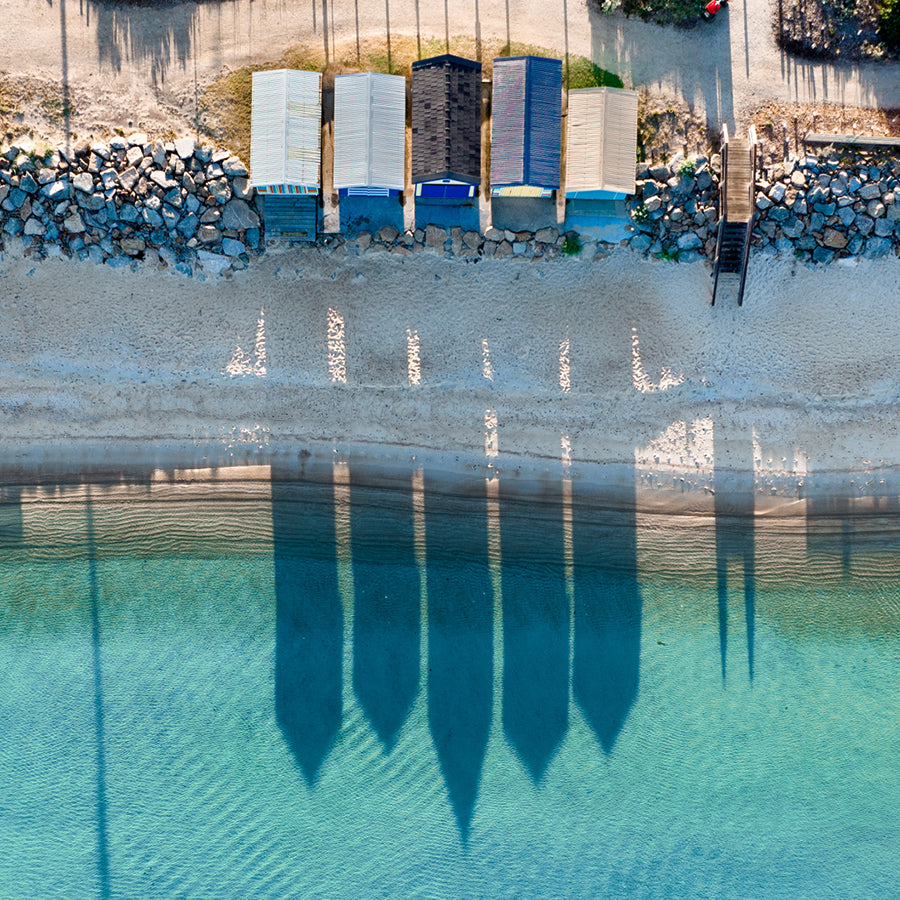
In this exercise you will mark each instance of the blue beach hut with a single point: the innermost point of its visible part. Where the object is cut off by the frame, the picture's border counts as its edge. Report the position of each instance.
(526, 126)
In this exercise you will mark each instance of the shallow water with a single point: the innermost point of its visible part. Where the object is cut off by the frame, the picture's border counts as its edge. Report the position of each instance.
(335, 690)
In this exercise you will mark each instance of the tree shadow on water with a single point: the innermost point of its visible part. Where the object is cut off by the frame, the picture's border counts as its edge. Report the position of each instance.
(309, 621)
(460, 642)
(387, 598)
(535, 628)
(607, 642)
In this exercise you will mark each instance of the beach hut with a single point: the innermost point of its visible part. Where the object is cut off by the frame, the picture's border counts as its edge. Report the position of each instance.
(446, 128)
(369, 134)
(526, 126)
(286, 150)
(601, 143)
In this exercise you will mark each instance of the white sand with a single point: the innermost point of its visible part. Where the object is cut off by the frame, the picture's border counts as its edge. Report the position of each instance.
(102, 368)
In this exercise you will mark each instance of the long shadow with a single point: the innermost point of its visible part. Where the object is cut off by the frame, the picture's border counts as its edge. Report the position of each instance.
(460, 641)
(387, 600)
(644, 54)
(11, 526)
(734, 506)
(99, 721)
(535, 627)
(157, 35)
(607, 613)
(308, 620)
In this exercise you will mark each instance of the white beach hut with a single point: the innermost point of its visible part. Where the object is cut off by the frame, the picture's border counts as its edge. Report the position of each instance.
(369, 134)
(286, 149)
(601, 143)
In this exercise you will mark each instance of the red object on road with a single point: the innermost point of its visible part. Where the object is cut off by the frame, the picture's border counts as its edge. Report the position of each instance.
(712, 8)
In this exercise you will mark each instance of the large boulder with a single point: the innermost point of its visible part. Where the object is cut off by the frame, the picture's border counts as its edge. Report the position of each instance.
(238, 214)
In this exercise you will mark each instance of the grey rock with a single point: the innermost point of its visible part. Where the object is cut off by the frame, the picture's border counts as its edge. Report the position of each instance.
(473, 239)
(869, 191)
(95, 254)
(504, 249)
(364, 240)
(74, 224)
(494, 234)
(108, 178)
(163, 180)
(220, 190)
(135, 156)
(824, 209)
(846, 215)
(56, 191)
(822, 255)
(192, 204)
(34, 227)
(129, 178)
(641, 242)
(388, 234)
(84, 182)
(792, 227)
(520, 248)
(211, 216)
(153, 202)
(208, 234)
(234, 167)
(132, 246)
(777, 192)
(237, 214)
(159, 154)
(138, 139)
(151, 217)
(763, 202)
(660, 173)
(798, 179)
(834, 239)
(864, 224)
(884, 227)
(875, 208)
(214, 263)
(545, 235)
(876, 247)
(816, 222)
(187, 182)
(129, 213)
(185, 147)
(653, 204)
(817, 194)
(649, 189)
(231, 247)
(689, 241)
(242, 188)
(170, 217)
(174, 198)
(704, 181)
(779, 214)
(28, 184)
(435, 236)
(188, 225)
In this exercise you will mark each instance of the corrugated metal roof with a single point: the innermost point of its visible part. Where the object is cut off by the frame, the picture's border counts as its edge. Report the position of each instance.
(446, 119)
(369, 131)
(601, 140)
(286, 128)
(526, 121)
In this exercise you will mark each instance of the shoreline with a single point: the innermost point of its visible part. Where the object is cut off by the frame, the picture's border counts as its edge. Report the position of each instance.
(617, 373)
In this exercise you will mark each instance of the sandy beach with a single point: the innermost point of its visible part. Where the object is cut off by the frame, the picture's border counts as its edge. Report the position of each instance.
(615, 370)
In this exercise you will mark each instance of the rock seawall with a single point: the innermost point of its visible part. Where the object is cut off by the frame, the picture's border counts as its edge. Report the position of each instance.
(816, 209)
(174, 202)
(184, 205)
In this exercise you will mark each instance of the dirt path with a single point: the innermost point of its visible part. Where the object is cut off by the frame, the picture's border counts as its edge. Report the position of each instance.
(145, 66)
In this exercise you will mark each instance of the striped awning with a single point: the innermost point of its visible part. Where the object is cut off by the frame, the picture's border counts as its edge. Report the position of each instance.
(601, 140)
(286, 130)
(369, 131)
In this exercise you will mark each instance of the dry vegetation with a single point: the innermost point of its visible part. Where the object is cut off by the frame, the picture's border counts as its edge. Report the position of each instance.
(666, 128)
(225, 105)
(781, 127)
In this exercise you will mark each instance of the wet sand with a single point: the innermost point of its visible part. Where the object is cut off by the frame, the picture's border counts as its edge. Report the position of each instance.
(617, 374)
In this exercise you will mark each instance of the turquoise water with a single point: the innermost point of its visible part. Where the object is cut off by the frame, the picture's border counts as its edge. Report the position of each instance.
(342, 691)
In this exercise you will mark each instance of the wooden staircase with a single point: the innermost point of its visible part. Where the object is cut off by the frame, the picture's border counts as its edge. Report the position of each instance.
(737, 201)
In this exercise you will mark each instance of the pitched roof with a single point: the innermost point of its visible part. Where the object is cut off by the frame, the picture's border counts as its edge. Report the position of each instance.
(446, 119)
(526, 121)
(369, 131)
(286, 128)
(601, 140)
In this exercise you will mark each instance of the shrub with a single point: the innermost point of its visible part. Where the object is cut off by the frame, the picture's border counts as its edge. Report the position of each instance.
(889, 22)
(639, 213)
(687, 168)
(572, 245)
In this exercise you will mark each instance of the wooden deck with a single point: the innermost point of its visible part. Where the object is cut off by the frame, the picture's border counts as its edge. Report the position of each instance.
(739, 180)
(860, 141)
